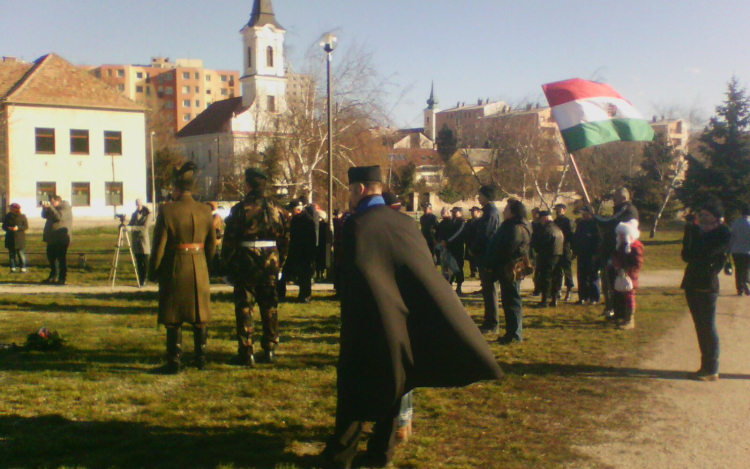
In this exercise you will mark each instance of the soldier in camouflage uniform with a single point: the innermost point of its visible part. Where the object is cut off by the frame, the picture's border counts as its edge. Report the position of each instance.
(255, 246)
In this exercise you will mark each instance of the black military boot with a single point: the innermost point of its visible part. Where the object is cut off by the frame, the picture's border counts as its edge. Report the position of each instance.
(543, 302)
(174, 350)
(245, 350)
(200, 337)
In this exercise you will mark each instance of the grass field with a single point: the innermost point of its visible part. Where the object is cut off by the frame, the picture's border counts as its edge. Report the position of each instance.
(93, 404)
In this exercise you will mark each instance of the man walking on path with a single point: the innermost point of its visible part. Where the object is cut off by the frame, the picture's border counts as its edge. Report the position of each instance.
(740, 249)
(58, 234)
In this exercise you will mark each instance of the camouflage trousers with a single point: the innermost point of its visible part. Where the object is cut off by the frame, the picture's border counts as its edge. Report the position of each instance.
(245, 296)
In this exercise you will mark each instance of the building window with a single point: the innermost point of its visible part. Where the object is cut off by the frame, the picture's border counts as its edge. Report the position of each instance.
(169, 76)
(120, 87)
(112, 143)
(113, 193)
(98, 73)
(161, 78)
(197, 89)
(186, 117)
(197, 103)
(109, 73)
(269, 57)
(169, 90)
(208, 77)
(45, 190)
(148, 91)
(223, 78)
(45, 140)
(79, 142)
(121, 73)
(185, 75)
(208, 91)
(139, 89)
(170, 105)
(185, 103)
(80, 194)
(185, 89)
(249, 57)
(209, 155)
(224, 91)
(139, 75)
(271, 102)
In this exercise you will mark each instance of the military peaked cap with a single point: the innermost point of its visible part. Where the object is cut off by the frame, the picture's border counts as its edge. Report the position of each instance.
(488, 191)
(544, 213)
(391, 198)
(365, 174)
(184, 178)
(252, 174)
(457, 209)
(562, 206)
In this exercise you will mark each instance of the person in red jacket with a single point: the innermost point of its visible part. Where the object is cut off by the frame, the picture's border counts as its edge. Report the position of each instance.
(627, 260)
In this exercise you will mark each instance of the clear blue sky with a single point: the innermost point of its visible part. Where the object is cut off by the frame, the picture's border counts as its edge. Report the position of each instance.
(656, 53)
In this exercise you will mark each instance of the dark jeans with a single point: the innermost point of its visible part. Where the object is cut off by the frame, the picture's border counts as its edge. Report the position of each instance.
(510, 293)
(342, 446)
(563, 270)
(58, 263)
(17, 258)
(588, 279)
(742, 272)
(489, 295)
(703, 309)
(141, 263)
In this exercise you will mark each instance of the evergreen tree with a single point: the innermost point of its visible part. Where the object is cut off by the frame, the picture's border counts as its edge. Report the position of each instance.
(726, 147)
(406, 180)
(446, 142)
(652, 185)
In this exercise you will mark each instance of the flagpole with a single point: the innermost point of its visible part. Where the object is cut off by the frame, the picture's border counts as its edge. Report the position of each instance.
(580, 179)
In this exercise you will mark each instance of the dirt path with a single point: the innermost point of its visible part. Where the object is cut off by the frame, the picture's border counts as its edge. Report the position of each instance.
(689, 424)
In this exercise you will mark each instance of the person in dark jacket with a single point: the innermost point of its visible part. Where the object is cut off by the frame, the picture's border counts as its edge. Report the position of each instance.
(564, 268)
(15, 225)
(623, 211)
(301, 258)
(402, 326)
(486, 229)
(471, 236)
(58, 234)
(508, 246)
(536, 229)
(586, 241)
(549, 249)
(140, 222)
(428, 224)
(324, 247)
(705, 248)
(455, 246)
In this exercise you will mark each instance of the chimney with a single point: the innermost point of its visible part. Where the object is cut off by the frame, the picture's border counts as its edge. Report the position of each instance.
(653, 119)
(528, 107)
(458, 104)
(479, 102)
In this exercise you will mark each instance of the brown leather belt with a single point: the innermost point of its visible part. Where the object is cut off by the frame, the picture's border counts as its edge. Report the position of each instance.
(197, 247)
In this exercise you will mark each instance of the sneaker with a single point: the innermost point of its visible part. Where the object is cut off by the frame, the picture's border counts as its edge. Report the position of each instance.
(701, 375)
(13, 270)
(24, 270)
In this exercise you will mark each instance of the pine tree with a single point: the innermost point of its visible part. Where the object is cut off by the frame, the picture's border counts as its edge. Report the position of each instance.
(726, 146)
(446, 142)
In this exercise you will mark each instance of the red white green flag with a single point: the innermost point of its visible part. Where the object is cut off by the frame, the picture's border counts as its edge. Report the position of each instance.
(590, 114)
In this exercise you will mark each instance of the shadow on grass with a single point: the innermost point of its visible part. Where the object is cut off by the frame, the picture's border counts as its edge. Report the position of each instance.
(54, 441)
(78, 361)
(660, 242)
(83, 301)
(594, 371)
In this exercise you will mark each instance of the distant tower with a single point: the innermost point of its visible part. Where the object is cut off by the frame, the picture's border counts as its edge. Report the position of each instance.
(263, 76)
(430, 114)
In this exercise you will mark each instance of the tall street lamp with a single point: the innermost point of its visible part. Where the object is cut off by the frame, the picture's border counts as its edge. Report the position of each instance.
(153, 174)
(328, 43)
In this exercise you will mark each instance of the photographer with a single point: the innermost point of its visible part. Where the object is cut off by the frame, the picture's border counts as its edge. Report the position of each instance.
(58, 234)
(138, 226)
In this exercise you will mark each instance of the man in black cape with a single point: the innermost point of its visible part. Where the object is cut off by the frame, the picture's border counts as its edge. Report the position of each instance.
(300, 261)
(402, 326)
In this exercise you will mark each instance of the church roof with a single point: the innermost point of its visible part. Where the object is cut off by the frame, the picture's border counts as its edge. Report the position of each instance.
(263, 15)
(53, 81)
(215, 119)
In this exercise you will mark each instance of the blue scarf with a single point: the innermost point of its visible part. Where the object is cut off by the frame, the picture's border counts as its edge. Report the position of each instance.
(369, 202)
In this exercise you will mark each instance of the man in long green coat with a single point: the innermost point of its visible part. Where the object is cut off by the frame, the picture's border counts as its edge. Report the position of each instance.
(184, 242)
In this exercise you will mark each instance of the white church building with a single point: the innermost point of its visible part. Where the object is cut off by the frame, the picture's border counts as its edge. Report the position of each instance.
(216, 138)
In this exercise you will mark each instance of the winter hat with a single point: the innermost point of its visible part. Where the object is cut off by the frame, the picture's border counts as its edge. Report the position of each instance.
(629, 230)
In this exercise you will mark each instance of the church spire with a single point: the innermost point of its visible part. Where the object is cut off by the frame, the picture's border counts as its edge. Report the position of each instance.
(263, 15)
(432, 101)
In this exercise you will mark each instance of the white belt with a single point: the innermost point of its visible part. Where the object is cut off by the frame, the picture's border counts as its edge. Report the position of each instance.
(258, 244)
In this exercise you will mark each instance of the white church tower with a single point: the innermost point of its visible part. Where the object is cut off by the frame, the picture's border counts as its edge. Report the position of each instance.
(430, 114)
(263, 78)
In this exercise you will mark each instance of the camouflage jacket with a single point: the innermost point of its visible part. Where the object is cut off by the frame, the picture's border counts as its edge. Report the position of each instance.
(255, 219)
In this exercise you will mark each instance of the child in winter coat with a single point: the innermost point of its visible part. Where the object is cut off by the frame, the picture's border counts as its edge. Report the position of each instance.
(627, 260)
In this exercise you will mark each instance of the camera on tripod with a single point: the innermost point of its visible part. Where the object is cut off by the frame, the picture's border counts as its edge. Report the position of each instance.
(121, 217)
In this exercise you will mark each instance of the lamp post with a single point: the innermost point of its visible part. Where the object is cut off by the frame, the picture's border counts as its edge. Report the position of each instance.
(328, 43)
(153, 174)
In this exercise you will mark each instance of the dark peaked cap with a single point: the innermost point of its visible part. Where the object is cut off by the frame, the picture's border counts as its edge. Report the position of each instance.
(184, 178)
(252, 174)
(365, 174)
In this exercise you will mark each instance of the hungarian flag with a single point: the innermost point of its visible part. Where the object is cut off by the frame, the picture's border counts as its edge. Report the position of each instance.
(590, 114)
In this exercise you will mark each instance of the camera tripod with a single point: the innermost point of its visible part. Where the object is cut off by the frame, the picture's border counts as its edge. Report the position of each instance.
(116, 260)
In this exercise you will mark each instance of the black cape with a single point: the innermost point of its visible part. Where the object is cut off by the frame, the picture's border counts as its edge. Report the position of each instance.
(402, 325)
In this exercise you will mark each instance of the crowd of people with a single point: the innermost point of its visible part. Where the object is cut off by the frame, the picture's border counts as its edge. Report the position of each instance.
(402, 324)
